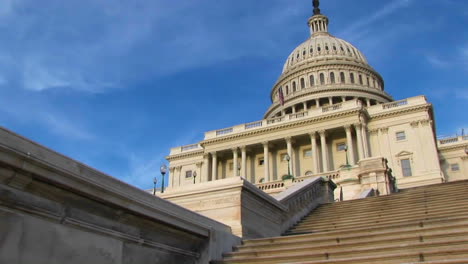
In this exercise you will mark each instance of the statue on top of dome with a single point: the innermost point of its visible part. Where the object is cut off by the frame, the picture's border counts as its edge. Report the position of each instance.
(316, 4)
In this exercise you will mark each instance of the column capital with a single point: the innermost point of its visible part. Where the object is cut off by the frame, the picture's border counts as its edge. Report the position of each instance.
(322, 132)
(357, 125)
(265, 143)
(384, 130)
(347, 127)
(313, 134)
(199, 164)
(243, 148)
(213, 153)
(234, 149)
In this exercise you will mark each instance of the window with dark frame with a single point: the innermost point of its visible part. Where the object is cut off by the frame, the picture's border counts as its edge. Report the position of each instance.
(406, 167)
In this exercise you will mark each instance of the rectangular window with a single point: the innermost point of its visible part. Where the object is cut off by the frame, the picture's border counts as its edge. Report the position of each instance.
(307, 153)
(341, 147)
(454, 167)
(188, 174)
(406, 167)
(400, 135)
(261, 161)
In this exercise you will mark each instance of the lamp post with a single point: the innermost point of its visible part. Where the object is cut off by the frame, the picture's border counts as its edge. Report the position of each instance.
(194, 176)
(288, 159)
(155, 181)
(163, 170)
(238, 169)
(346, 151)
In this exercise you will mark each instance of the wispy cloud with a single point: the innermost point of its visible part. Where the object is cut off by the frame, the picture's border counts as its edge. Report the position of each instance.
(358, 27)
(436, 61)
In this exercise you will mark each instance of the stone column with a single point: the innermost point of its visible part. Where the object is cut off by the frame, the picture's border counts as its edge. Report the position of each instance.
(172, 177)
(206, 172)
(317, 103)
(358, 127)
(290, 154)
(365, 142)
(330, 100)
(214, 166)
(368, 102)
(293, 109)
(349, 142)
(243, 162)
(313, 140)
(304, 106)
(198, 179)
(323, 142)
(235, 166)
(266, 163)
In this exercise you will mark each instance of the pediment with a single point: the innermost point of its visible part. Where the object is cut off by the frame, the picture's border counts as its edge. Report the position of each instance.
(404, 153)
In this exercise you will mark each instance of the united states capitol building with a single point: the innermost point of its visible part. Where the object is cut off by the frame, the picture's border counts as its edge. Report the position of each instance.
(331, 116)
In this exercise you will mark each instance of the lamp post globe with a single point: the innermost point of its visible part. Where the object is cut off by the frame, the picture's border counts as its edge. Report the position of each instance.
(194, 176)
(163, 171)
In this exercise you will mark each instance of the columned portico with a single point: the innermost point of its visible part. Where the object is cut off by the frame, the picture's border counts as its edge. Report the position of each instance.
(349, 143)
(214, 166)
(266, 161)
(323, 143)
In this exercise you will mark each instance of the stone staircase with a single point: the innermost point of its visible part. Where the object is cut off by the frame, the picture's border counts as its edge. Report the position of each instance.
(420, 225)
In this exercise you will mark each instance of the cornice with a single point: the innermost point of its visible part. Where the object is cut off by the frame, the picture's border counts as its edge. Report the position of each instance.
(461, 146)
(282, 126)
(398, 111)
(185, 155)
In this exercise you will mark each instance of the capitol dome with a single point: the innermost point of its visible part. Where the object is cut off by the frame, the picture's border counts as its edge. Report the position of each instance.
(324, 70)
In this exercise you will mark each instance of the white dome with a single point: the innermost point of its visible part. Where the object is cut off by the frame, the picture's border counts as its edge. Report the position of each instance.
(323, 47)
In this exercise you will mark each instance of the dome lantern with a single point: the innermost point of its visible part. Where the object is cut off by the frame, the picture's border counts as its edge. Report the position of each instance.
(318, 23)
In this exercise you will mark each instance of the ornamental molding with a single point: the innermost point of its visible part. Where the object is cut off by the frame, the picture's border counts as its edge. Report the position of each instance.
(283, 126)
(455, 146)
(185, 155)
(397, 111)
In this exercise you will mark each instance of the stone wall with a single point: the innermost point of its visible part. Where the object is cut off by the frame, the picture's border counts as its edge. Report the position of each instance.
(56, 210)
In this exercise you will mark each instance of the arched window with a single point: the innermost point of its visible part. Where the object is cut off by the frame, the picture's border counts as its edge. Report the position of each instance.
(342, 77)
(374, 84)
(294, 86)
(302, 83)
(352, 77)
(368, 82)
(322, 78)
(332, 77)
(360, 79)
(311, 50)
(319, 49)
(312, 80)
(287, 89)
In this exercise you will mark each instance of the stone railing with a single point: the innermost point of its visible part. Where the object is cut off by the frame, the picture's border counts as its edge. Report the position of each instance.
(316, 112)
(187, 148)
(279, 185)
(409, 102)
(450, 140)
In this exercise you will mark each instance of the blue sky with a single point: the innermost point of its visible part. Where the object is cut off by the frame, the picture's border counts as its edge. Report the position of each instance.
(116, 84)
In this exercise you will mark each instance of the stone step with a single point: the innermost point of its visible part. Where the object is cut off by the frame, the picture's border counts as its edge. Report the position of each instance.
(328, 226)
(376, 251)
(453, 261)
(391, 211)
(415, 223)
(429, 232)
(363, 203)
(332, 246)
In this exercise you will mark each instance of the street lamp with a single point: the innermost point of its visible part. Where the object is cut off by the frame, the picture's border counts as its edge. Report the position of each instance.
(194, 176)
(163, 170)
(288, 158)
(238, 169)
(155, 181)
(346, 151)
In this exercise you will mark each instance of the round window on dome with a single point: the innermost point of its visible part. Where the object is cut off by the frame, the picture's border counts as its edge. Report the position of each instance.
(326, 48)
(319, 49)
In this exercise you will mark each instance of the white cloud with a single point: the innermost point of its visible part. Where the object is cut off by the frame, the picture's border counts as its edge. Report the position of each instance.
(385, 11)
(437, 61)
